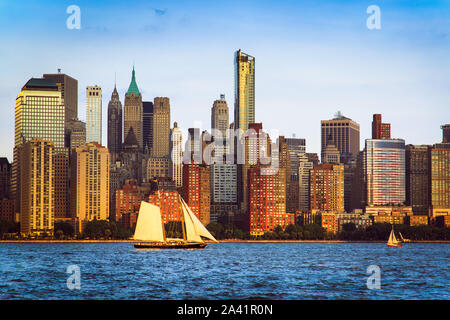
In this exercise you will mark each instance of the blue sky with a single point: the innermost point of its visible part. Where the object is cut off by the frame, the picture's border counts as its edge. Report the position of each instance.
(313, 58)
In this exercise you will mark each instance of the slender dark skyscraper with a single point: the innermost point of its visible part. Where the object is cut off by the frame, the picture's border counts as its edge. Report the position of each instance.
(69, 93)
(147, 125)
(114, 124)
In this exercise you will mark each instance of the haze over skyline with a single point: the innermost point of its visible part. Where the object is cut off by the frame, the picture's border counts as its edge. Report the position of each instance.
(312, 60)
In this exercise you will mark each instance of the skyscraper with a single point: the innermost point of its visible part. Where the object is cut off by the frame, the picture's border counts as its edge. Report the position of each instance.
(343, 131)
(176, 155)
(147, 126)
(384, 167)
(445, 133)
(75, 133)
(417, 178)
(304, 168)
(439, 179)
(40, 113)
(37, 189)
(219, 116)
(94, 114)
(133, 111)
(69, 93)
(380, 130)
(5, 178)
(196, 190)
(114, 124)
(223, 189)
(90, 184)
(161, 127)
(244, 90)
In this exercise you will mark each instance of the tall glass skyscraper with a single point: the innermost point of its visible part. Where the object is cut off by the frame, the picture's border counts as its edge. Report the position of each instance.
(244, 86)
(384, 167)
(94, 114)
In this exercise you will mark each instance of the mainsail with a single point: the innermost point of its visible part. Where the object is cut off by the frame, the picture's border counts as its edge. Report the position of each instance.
(199, 228)
(149, 224)
(191, 234)
(392, 239)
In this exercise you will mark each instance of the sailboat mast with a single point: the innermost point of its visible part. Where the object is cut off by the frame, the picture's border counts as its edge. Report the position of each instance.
(182, 220)
(162, 220)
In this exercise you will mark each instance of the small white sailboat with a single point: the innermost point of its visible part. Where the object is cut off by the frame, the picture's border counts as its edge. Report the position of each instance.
(403, 239)
(150, 232)
(392, 241)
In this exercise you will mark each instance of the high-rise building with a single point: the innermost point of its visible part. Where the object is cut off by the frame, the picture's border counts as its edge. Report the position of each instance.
(133, 111)
(193, 149)
(161, 127)
(131, 156)
(267, 202)
(417, 178)
(196, 190)
(219, 116)
(445, 133)
(176, 155)
(343, 131)
(223, 189)
(147, 125)
(256, 150)
(114, 124)
(37, 193)
(69, 92)
(304, 168)
(168, 202)
(380, 130)
(89, 184)
(384, 167)
(327, 188)
(297, 149)
(439, 179)
(244, 90)
(40, 113)
(5, 178)
(94, 114)
(331, 154)
(75, 133)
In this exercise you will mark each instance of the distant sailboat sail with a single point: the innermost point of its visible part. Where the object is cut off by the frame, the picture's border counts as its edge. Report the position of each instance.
(148, 225)
(392, 241)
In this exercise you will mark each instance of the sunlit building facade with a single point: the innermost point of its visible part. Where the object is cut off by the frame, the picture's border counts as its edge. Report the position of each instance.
(94, 114)
(244, 105)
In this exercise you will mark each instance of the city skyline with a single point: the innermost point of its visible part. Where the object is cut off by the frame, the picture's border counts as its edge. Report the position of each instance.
(392, 71)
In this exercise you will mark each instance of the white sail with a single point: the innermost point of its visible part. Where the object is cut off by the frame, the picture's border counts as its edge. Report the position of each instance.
(191, 233)
(199, 227)
(149, 225)
(392, 239)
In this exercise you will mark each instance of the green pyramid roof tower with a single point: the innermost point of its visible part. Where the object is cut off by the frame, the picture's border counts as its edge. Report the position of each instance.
(133, 88)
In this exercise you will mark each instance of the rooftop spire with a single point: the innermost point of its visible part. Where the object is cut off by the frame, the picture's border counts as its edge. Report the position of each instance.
(133, 88)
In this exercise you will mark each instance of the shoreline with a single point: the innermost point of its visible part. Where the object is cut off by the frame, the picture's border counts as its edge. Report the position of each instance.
(221, 241)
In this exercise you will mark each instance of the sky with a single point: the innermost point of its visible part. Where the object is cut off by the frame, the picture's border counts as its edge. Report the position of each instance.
(313, 58)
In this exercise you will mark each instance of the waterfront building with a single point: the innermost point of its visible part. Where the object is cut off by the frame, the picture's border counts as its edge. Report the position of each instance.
(89, 184)
(384, 167)
(128, 202)
(196, 190)
(223, 190)
(5, 178)
(267, 202)
(94, 114)
(40, 113)
(37, 193)
(393, 214)
(439, 179)
(161, 127)
(304, 168)
(417, 178)
(168, 202)
(244, 88)
(327, 188)
(343, 131)
(115, 119)
(133, 111)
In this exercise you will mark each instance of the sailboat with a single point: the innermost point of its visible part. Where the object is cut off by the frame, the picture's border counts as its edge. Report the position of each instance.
(150, 232)
(403, 239)
(392, 241)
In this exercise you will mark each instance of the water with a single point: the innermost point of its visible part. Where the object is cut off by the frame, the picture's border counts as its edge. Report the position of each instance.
(225, 271)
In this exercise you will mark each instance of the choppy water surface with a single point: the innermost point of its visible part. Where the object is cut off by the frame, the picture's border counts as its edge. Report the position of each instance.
(225, 271)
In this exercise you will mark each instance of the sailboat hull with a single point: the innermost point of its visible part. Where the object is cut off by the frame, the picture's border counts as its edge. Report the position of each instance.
(394, 245)
(170, 245)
